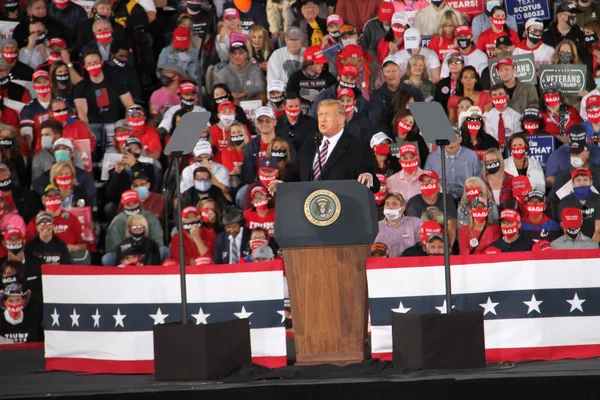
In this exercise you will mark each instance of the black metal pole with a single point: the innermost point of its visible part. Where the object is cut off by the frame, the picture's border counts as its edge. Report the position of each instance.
(184, 318)
(446, 241)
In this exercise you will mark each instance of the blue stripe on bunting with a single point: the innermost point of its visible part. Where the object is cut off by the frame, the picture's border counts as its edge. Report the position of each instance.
(511, 304)
(265, 314)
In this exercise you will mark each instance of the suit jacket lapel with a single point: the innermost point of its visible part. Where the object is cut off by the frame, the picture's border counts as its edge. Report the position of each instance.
(338, 151)
(308, 168)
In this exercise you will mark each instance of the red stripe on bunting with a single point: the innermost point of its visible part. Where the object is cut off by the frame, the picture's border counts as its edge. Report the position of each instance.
(275, 265)
(93, 366)
(438, 261)
(529, 353)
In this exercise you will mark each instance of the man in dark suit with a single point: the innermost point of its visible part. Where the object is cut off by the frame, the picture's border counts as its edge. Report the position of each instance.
(338, 155)
(231, 245)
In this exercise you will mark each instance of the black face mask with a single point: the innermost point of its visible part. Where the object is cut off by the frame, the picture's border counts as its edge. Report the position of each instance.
(464, 43)
(437, 3)
(279, 155)
(187, 104)
(194, 7)
(219, 100)
(5, 81)
(6, 185)
(8, 280)
(98, 16)
(591, 39)
(573, 233)
(533, 38)
(137, 236)
(40, 39)
(11, 6)
(277, 101)
(492, 168)
(347, 85)
(187, 227)
(119, 63)
(62, 78)
(15, 248)
(335, 35)
(132, 211)
(237, 140)
(6, 143)
(165, 80)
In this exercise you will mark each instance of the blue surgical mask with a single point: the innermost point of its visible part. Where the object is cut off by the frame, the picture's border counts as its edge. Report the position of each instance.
(597, 82)
(142, 192)
(46, 142)
(582, 192)
(202, 186)
(492, 4)
(62, 155)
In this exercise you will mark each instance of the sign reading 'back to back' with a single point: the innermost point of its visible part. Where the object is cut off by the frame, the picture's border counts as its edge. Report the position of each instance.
(524, 65)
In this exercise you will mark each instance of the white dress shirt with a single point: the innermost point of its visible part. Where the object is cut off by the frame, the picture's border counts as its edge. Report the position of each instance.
(238, 242)
(512, 122)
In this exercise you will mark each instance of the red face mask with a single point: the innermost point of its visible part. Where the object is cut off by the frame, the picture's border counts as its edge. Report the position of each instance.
(256, 243)
(382, 149)
(64, 182)
(594, 116)
(510, 233)
(94, 69)
(479, 214)
(429, 189)
(10, 56)
(473, 127)
(122, 137)
(349, 109)
(62, 4)
(518, 152)
(531, 127)
(403, 128)
(136, 124)
(500, 102)
(42, 90)
(61, 116)
(292, 114)
(264, 179)
(261, 205)
(535, 210)
(380, 197)
(498, 22)
(15, 310)
(409, 166)
(205, 213)
(54, 57)
(398, 30)
(52, 204)
(103, 37)
(552, 100)
(473, 193)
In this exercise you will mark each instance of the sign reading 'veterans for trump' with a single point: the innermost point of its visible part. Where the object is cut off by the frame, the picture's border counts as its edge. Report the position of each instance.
(101, 319)
(567, 78)
(525, 68)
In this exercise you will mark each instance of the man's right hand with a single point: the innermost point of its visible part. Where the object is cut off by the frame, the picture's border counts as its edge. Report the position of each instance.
(129, 160)
(273, 186)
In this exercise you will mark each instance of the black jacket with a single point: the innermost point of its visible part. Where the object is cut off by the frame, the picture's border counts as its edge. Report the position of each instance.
(380, 103)
(222, 246)
(70, 17)
(55, 29)
(249, 165)
(28, 202)
(350, 158)
(191, 197)
(295, 134)
(360, 127)
(148, 248)
(120, 182)
(85, 34)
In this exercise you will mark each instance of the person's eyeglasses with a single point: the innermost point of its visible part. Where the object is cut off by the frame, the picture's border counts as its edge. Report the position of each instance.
(455, 62)
(137, 226)
(45, 223)
(263, 121)
(61, 110)
(134, 110)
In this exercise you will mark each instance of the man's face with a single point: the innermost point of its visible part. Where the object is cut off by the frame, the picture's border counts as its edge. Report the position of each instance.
(293, 104)
(582, 180)
(133, 149)
(137, 183)
(233, 229)
(265, 124)
(346, 101)
(45, 227)
(505, 224)
(102, 26)
(392, 203)
(37, 10)
(12, 241)
(506, 73)
(92, 59)
(122, 55)
(294, 45)
(132, 205)
(202, 176)
(14, 301)
(238, 58)
(435, 247)
(49, 132)
(268, 171)
(130, 260)
(349, 78)
(330, 120)
(391, 74)
(36, 29)
(104, 10)
(498, 93)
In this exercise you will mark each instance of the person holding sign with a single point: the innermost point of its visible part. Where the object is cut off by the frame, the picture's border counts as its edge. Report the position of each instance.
(557, 116)
(521, 94)
(542, 53)
(487, 40)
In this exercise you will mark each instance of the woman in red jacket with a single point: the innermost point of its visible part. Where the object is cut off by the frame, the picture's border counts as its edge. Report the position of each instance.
(487, 40)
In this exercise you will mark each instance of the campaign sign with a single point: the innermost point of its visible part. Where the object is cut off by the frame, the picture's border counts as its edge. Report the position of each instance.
(250, 107)
(469, 7)
(525, 69)
(522, 10)
(540, 147)
(84, 216)
(84, 147)
(6, 29)
(567, 78)
(86, 4)
(425, 40)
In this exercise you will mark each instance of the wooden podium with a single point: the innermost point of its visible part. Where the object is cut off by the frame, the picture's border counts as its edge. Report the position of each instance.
(325, 230)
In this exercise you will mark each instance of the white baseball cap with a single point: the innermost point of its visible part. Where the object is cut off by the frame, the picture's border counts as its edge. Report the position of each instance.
(391, 58)
(63, 142)
(202, 147)
(399, 18)
(378, 138)
(276, 86)
(534, 21)
(412, 38)
(265, 112)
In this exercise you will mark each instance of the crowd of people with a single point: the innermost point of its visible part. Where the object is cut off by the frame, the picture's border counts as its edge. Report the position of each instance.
(90, 100)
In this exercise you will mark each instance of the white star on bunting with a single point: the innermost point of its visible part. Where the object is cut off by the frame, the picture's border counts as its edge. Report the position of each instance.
(74, 318)
(401, 309)
(119, 318)
(489, 306)
(282, 313)
(159, 317)
(443, 309)
(96, 318)
(55, 317)
(576, 303)
(201, 317)
(533, 304)
(243, 314)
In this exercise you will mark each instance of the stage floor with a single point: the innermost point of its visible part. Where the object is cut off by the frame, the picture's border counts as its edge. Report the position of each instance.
(22, 375)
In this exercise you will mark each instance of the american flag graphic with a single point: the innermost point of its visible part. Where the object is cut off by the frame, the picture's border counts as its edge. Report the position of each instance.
(536, 306)
(100, 319)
